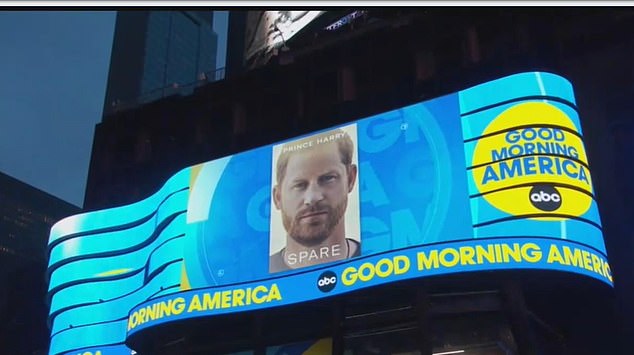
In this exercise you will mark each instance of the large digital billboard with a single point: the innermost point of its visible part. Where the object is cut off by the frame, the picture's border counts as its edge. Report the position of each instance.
(267, 30)
(494, 177)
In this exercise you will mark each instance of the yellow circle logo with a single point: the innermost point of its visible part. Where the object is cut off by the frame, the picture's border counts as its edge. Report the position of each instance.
(531, 160)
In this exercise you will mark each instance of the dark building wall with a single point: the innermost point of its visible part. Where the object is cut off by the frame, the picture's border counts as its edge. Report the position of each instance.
(27, 214)
(384, 61)
(26, 217)
(606, 117)
(126, 61)
(235, 63)
(157, 52)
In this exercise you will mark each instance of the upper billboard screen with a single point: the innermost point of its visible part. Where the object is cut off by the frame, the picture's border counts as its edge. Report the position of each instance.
(493, 177)
(266, 30)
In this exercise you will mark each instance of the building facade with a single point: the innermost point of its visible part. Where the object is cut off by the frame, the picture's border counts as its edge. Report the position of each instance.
(27, 215)
(373, 63)
(158, 53)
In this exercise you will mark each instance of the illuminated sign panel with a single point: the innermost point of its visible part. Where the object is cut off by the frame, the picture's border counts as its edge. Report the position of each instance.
(493, 177)
(266, 30)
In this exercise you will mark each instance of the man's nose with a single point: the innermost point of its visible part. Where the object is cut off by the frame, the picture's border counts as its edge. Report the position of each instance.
(313, 194)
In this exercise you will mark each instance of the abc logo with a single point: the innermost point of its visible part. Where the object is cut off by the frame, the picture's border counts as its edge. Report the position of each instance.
(327, 281)
(545, 197)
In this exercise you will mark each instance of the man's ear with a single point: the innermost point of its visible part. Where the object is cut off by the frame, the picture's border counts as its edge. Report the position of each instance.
(352, 176)
(277, 197)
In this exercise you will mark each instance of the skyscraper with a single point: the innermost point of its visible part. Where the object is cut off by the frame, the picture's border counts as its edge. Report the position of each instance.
(158, 53)
(26, 217)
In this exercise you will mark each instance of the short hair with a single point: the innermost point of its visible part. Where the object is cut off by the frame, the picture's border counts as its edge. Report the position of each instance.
(344, 144)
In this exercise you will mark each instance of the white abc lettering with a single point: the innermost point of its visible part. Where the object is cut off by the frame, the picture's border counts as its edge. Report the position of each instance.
(327, 281)
(545, 197)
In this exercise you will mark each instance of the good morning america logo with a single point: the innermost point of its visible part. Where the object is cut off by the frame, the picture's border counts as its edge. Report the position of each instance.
(534, 150)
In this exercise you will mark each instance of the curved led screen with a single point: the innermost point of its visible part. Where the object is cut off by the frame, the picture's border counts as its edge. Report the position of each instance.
(493, 177)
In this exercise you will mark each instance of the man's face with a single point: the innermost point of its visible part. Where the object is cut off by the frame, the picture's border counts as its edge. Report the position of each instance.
(314, 193)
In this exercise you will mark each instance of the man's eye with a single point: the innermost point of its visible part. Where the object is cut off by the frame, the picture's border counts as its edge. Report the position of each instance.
(328, 178)
(299, 186)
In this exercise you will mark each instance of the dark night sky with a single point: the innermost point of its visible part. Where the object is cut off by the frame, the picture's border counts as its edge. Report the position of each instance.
(53, 69)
